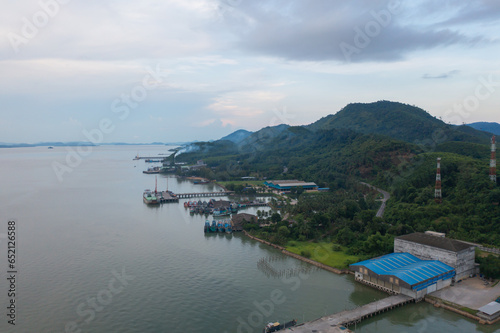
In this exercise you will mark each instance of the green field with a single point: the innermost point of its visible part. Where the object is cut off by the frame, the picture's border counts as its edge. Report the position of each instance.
(242, 182)
(323, 253)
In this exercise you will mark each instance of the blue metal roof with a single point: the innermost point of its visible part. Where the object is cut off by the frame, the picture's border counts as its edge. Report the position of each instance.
(409, 269)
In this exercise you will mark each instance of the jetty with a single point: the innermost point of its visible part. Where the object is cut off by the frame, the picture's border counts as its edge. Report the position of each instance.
(203, 194)
(148, 158)
(339, 321)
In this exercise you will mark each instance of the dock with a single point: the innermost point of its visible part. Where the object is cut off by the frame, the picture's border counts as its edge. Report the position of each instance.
(166, 197)
(203, 194)
(333, 323)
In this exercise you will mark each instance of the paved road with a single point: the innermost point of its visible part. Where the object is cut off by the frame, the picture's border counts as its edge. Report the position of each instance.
(386, 195)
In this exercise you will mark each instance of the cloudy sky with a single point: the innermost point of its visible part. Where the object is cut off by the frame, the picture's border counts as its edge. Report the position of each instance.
(181, 70)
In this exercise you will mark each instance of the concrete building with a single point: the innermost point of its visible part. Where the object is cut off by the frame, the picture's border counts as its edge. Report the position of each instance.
(403, 273)
(454, 253)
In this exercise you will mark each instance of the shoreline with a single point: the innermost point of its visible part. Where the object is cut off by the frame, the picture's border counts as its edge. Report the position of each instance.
(299, 257)
(439, 303)
(435, 301)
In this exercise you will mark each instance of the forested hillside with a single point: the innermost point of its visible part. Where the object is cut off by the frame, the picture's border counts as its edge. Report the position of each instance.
(391, 145)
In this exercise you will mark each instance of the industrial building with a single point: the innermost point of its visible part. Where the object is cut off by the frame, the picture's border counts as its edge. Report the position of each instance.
(403, 273)
(288, 185)
(457, 254)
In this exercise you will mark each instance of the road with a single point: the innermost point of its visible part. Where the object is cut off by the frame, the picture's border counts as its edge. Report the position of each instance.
(386, 195)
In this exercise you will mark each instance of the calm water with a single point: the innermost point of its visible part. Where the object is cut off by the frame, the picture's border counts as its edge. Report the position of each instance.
(93, 258)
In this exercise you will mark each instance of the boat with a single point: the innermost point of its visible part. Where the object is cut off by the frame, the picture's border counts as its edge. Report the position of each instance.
(227, 227)
(50, 147)
(274, 327)
(213, 227)
(207, 226)
(234, 208)
(222, 212)
(220, 227)
(152, 161)
(197, 182)
(150, 198)
(152, 170)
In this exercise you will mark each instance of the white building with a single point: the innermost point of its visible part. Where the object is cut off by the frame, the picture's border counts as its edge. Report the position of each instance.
(452, 252)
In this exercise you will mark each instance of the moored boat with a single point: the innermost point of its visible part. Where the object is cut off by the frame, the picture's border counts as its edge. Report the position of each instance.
(150, 198)
(213, 227)
(274, 327)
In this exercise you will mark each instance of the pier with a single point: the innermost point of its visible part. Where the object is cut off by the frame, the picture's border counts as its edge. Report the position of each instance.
(203, 194)
(333, 323)
(149, 158)
(166, 197)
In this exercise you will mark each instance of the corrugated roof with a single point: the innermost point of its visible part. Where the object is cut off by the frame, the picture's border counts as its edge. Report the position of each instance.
(295, 184)
(406, 267)
(439, 242)
(490, 308)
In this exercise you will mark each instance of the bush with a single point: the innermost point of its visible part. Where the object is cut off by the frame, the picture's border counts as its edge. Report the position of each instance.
(305, 253)
(336, 248)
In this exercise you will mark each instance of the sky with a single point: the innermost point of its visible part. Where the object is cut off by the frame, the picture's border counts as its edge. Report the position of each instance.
(184, 70)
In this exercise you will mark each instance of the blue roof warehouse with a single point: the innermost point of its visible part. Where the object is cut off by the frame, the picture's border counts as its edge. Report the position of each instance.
(288, 185)
(403, 273)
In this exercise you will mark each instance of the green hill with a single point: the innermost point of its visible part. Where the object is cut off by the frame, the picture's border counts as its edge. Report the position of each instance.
(399, 121)
(391, 145)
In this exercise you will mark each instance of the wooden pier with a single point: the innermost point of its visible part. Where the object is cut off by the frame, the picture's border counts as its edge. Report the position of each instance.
(333, 323)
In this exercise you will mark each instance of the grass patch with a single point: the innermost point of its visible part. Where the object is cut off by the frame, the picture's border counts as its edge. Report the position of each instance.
(469, 310)
(323, 252)
(459, 307)
(242, 182)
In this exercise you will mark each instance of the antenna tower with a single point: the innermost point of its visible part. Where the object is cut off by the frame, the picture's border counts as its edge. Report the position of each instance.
(437, 192)
(493, 161)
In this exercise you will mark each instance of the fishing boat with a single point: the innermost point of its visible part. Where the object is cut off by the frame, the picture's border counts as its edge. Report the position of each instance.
(220, 227)
(213, 226)
(207, 226)
(234, 208)
(227, 227)
(274, 327)
(222, 212)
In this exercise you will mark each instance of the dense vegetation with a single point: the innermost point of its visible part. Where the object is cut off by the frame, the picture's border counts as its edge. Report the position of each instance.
(391, 145)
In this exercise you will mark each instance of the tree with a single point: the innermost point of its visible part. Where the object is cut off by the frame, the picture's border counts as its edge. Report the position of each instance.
(345, 236)
(283, 231)
(276, 217)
